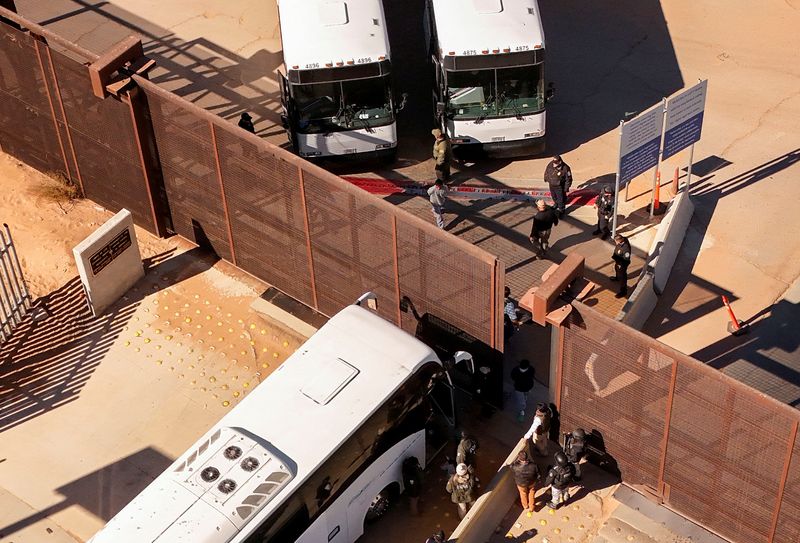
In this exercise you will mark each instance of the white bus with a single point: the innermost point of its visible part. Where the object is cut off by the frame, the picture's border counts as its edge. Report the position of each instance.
(337, 94)
(313, 453)
(488, 59)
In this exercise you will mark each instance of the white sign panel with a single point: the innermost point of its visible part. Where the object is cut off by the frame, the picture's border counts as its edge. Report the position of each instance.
(639, 144)
(684, 119)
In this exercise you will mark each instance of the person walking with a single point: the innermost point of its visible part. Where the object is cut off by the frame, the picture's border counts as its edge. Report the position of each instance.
(526, 473)
(466, 452)
(437, 194)
(246, 122)
(523, 378)
(412, 482)
(622, 259)
(605, 210)
(442, 154)
(461, 487)
(543, 221)
(539, 430)
(575, 449)
(558, 479)
(510, 315)
(559, 176)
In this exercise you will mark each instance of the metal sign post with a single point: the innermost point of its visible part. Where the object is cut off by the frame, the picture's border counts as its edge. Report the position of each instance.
(616, 189)
(658, 165)
(639, 143)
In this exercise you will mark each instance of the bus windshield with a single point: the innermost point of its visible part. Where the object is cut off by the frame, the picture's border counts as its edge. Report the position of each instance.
(500, 92)
(343, 105)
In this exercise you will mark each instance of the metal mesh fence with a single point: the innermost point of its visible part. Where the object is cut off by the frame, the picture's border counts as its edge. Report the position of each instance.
(722, 458)
(310, 233)
(27, 130)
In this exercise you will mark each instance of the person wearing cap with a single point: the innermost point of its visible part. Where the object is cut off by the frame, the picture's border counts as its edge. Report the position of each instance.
(526, 473)
(605, 209)
(543, 221)
(622, 259)
(437, 195)
(558, 175)
(461, 487)
(539, 431)
(466, 452)
(246, 122)
(442, 154)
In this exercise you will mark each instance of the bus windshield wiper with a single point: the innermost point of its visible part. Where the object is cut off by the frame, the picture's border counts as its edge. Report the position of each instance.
(503, 99)
(364, 122)
(486, 111)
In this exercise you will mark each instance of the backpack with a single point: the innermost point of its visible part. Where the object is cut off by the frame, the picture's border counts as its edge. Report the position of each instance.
(563, 475)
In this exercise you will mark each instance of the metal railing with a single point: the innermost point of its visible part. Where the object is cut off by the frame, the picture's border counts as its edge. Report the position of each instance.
(15, 300)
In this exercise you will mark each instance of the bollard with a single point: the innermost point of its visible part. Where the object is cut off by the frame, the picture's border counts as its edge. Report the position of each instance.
(735, 326)
(675, 181)
(656, 202)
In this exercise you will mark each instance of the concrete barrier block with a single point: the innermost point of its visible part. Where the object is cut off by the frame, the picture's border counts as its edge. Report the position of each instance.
(109, 261)
(641, 303)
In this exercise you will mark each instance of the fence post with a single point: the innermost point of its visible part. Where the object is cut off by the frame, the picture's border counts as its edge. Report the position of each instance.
(66, 121)
(560, 332)
(784, 475)
(222, 190)
(36, 44)
(396, 270)
(308, 237)
(144, 135)
(665, 439)
(493, 309)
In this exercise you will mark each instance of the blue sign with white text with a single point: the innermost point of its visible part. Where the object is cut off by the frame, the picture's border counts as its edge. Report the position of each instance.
(682, 136)
(639, 160)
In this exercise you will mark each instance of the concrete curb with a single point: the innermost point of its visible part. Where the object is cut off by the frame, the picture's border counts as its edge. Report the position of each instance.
(660, 260)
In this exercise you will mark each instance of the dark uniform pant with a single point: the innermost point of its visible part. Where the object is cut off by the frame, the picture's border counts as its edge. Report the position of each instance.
(442, 172)
(621, 271)
(602, 223)
(559, 196)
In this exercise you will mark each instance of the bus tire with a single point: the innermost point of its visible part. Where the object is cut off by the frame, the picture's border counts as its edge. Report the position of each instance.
(381, 503)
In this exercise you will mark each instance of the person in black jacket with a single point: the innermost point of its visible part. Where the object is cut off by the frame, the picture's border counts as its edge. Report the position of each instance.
(543, 221)
(575, 449)
(558, 479)
(246, 122)
(605, 210)
(559, 176)
(412, 481)
(526, 473)
(622, 258)
(523, 377)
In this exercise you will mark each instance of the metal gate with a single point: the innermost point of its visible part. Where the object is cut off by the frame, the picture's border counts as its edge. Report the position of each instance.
(702, 443)
(15, 300)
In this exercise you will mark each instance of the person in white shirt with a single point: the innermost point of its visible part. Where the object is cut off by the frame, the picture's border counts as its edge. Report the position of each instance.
(540, 429)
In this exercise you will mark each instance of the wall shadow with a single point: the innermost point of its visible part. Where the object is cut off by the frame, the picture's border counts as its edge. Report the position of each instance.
(46, 362)
(103, 492)
(607, 59)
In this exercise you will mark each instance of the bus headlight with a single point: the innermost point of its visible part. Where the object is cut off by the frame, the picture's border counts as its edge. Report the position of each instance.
(310, 153)
(533, 134)
(459, 140)
(380, 146)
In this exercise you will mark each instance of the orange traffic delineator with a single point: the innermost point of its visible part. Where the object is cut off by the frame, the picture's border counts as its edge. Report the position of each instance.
(735, 326)
(656, 202)
(675, 181)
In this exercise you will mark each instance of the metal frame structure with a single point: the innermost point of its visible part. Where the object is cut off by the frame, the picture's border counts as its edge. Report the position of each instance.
(15, 300)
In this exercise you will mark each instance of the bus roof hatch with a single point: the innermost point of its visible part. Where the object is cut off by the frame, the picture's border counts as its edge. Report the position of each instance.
(332, 376)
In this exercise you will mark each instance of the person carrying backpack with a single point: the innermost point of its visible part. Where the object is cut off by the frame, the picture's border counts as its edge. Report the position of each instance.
(466, 452)
(540, 429)
(575, 449)
(559, 478)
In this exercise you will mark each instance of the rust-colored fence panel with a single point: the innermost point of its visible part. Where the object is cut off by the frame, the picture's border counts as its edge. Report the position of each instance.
(710, 447)
(618, 384)
(100, 131)
(27, 129)
(787, 525)
(189, 168)
(310, 233)
(727, 448)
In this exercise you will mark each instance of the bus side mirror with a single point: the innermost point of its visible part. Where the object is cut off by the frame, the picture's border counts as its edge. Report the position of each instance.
(440, 108)
(550, 92)
(403, 100)
(463, 356)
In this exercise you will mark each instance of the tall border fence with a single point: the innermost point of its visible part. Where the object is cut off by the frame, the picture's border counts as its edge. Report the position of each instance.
(706, 445)
(178, 168)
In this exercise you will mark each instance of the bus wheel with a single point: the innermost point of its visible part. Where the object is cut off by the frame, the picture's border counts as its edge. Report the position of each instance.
(380, 505)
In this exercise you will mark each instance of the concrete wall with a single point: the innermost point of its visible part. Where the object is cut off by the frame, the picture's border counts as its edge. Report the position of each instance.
(109, 261)
(660, 259)
(491, 507)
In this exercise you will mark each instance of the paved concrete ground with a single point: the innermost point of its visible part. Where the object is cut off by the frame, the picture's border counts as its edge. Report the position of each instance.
(94, 409)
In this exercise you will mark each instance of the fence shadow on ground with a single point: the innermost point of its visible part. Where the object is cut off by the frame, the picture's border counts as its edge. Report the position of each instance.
(47, 362)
